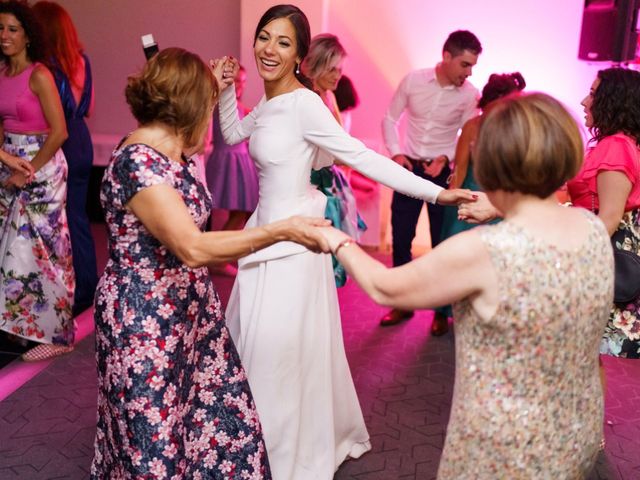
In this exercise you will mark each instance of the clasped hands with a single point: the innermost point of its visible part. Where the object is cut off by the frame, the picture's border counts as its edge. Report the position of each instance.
(22, 171)
(316, 234)
(224, 70)
(479, 211)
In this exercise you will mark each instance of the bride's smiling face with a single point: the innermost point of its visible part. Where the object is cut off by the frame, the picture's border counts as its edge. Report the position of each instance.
(276, 51)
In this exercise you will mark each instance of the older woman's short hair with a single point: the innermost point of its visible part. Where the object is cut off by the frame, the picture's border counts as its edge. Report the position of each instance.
(528, 144)
(325, 51)
(175, 88)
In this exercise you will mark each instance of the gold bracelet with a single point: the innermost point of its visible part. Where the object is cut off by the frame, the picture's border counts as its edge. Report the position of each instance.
(344, 243)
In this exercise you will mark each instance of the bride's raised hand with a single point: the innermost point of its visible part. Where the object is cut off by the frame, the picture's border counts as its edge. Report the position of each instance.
(217, 66)
(224, 70)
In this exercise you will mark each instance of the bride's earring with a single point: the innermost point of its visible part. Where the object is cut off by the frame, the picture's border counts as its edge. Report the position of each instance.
(297, 69)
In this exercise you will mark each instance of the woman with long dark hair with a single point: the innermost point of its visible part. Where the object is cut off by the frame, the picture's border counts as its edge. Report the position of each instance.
(498, 86)
(283, 312)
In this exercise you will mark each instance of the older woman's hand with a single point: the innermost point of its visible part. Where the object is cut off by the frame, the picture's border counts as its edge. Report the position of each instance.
(480, 211)
(333, 236)
(303, 230)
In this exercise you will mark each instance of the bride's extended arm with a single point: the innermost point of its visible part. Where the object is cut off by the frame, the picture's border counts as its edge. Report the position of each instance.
(322, 130)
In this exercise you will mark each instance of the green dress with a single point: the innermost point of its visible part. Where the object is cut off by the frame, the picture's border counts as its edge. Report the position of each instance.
(341, 209)
(452, 226)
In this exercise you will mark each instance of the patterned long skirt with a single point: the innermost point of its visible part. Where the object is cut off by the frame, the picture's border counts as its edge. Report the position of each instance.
(36, 269)
(622, 334)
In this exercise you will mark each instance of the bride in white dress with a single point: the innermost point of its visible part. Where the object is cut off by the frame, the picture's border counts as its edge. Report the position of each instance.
(283, 313)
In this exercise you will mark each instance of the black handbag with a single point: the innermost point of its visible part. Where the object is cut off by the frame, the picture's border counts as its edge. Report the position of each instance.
(626, 256)
(626, 253)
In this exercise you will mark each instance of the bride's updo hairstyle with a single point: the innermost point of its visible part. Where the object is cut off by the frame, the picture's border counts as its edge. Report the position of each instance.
(177, 89)
(528, 144)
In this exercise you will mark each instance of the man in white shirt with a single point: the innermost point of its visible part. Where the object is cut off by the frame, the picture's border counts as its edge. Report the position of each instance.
(437, 102)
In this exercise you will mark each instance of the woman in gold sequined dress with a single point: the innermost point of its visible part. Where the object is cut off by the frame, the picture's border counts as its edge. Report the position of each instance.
(527, 400)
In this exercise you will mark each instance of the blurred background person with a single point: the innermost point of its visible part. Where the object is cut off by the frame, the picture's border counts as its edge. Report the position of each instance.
(72, 73)
(437, 102)
(498, 86)
(37, 284)
(346, 99)
(609, 184)
(527, 399)
(323, 67)
(365, 190)
(231, 175)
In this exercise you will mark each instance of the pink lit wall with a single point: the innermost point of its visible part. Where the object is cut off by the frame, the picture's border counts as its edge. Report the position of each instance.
(387, 39)
(111, 30)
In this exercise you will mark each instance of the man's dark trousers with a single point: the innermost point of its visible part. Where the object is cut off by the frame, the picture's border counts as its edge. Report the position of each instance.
(406, 210)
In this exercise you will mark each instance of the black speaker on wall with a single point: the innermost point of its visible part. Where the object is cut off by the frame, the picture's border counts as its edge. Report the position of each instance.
(609, 30)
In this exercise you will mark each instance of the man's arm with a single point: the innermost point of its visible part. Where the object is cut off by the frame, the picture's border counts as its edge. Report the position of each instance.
(392, 118)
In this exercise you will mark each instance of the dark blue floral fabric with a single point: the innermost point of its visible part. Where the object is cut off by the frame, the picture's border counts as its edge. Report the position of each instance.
(174, 402)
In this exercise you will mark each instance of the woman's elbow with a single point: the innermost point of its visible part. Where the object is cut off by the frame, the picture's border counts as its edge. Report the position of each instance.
(191, 259)
(188, 255)
(379, 295)
(380, 298)
(60, 135)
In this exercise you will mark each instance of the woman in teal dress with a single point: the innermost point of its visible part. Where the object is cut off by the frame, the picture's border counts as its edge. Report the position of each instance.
(323, 66)
(498, 86)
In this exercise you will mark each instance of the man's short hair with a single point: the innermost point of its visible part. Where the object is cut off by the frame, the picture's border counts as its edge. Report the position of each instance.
(462, 40)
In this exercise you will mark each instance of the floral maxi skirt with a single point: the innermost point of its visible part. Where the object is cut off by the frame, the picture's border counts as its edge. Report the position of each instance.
(36, 269)
(622, 334)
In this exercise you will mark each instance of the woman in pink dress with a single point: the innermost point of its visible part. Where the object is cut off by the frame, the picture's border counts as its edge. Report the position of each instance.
(609, 183)
(37, 281)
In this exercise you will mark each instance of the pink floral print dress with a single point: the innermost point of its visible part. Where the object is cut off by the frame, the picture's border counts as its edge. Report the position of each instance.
(173, 399)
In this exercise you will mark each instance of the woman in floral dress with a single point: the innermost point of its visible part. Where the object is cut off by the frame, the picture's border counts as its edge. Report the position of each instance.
(36, 272)
(173, 399)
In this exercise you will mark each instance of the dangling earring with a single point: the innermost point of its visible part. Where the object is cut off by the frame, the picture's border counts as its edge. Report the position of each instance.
(297, 69)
